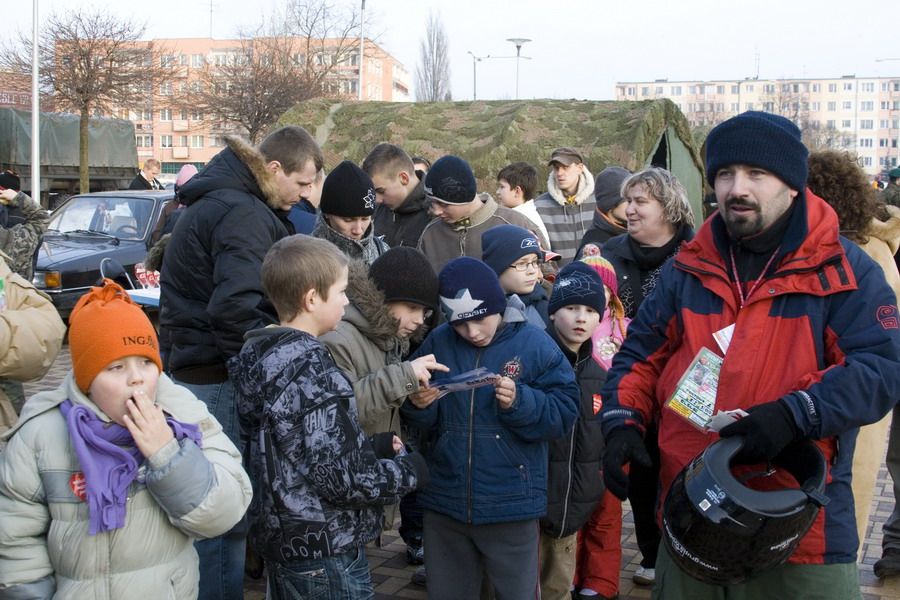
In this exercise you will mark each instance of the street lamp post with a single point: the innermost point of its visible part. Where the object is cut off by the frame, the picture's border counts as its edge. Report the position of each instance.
(519, 42)
(475, 61)
(362, 42)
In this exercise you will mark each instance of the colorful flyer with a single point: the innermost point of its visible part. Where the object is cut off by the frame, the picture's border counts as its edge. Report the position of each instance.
(695, 397)
(469, 380)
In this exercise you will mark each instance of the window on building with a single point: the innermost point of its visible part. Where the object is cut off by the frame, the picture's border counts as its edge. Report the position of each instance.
(866, 142)
(867, 161)
(815, 106)
(196, 141)
(196, 87)
(884, 124)
(846, 124)
(184, 114)
(146, 114)
(182, 141)
(692, 89)
(768, 106)
(165, 114)
(830, 124)
(197, 60)
(629, 91)
(659, 90)
(166, 88)
(735, 89)
(896, 85)
(165, 141)
(143, 141)
(196, 115)
(769, 88)
(183, 60)
(749, 87)
(847, 105)
(785, 87)
(832, 106)
(166, 60)
(832, 87)
(676, 90)
(815, 87)
(216, 141)
(748, 106)
(645, 91)
(866, 124)
(848, 86)
(885, 105)
(868, 86)
(885, 86)
(720, 89)
(735, 107)
(867, 106)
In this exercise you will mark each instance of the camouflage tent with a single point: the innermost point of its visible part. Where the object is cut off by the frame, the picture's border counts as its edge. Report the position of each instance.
(493, 134)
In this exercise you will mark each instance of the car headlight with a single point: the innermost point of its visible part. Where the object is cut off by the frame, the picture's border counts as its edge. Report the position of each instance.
(47, 280)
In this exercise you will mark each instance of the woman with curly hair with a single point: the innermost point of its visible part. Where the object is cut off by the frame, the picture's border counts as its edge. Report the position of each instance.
(836, 177)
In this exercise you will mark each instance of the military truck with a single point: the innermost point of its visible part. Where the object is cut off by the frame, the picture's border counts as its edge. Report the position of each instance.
(112, 154)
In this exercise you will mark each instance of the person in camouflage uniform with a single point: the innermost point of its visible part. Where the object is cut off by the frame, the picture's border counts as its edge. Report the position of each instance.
(891, 194)
(22, 223)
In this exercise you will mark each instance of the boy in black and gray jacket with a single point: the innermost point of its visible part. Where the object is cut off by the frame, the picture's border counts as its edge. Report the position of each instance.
(319, 483)
(574, 484)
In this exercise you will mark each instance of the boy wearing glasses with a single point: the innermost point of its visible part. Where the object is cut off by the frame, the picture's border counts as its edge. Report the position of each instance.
(516, 257)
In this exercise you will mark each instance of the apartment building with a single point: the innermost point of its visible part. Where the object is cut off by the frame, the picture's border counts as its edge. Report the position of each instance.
(176, 135)
(859, 114)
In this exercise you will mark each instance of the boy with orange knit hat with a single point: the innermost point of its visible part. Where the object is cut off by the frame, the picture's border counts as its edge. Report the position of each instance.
(107, 480)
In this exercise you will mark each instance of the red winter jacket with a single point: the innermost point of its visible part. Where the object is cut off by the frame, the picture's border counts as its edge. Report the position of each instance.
(821, 331)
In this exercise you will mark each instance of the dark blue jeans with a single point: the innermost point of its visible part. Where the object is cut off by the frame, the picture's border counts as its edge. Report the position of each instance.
(222, 558)
(341, 577)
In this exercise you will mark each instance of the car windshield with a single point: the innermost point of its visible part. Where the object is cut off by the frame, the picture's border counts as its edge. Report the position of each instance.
(124, 218)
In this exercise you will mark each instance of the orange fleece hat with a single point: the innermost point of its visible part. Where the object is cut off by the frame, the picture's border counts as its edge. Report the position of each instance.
(106, 325)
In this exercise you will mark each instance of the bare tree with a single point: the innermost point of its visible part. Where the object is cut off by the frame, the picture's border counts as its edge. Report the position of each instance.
(91, 63)
(433, 70)
(310, 53)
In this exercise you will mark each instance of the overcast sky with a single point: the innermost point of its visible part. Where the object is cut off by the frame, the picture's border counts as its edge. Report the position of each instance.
(579, 48)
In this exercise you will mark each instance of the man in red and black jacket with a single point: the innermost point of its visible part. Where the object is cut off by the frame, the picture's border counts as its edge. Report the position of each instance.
(808, 339)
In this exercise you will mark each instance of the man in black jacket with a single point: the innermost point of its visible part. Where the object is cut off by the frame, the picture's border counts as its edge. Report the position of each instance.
(146, 179)
(402, 211)
(212, 294)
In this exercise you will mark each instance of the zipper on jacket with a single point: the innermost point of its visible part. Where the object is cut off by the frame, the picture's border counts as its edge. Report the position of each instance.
(471, 444)
(565, 514)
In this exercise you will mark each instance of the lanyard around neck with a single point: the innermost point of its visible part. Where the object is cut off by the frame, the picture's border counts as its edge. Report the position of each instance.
(737, 279)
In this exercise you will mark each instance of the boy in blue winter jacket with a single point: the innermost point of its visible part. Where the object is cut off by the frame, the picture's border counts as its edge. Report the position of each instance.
(516, 257)
(488, 454)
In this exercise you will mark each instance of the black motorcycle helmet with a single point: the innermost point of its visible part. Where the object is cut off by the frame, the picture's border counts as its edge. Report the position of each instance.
(721, 532)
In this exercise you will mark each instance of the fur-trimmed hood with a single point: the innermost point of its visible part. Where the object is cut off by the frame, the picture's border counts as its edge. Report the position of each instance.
(368, 312)
(887, 231)
(239, 166)
(585, 188)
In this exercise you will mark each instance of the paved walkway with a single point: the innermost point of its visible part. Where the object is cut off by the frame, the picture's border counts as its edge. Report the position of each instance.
(391, 574)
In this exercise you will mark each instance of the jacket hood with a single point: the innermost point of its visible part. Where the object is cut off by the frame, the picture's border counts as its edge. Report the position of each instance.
(240, 166)
(174, 399)
(887, 231)
(369, 314)
(415, 202)
(585, 188)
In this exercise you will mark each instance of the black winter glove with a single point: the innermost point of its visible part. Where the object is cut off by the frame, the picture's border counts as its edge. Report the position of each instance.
(623, 445)
(383, 444)
(417, 462)
(767, 429)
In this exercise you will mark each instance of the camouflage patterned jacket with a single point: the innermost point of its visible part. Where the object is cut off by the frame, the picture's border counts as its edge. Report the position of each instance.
(891, 195)
(318, 486)
(20, 237)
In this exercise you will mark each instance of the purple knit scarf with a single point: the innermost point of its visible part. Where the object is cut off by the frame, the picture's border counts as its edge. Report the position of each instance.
(110, 460)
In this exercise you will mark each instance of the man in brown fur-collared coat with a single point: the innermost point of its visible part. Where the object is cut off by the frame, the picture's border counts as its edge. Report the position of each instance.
(212, 293)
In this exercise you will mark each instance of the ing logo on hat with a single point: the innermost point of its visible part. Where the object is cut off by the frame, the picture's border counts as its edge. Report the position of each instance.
(529, 242)
(369, 199)
(464, 306)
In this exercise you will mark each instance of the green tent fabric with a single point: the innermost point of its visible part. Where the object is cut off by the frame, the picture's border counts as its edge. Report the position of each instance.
(492, 134)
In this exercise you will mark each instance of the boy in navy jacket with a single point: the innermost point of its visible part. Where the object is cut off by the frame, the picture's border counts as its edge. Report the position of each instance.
(488, 455)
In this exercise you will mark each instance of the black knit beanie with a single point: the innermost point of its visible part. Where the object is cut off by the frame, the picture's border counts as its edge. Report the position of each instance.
(403, 274)
(451, 180)
(758, 139)
(608, 187)
(348, 192)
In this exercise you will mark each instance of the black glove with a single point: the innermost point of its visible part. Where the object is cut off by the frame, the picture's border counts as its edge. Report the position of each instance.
(767, 429)
(417, 462)
(623, 445)
(383, 444)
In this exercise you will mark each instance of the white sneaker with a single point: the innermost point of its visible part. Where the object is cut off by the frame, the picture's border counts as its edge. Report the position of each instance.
(644, 576)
